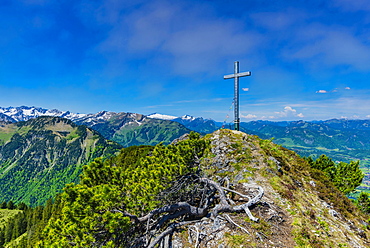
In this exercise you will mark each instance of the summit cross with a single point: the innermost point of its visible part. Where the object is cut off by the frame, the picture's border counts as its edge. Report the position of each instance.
(236, 77)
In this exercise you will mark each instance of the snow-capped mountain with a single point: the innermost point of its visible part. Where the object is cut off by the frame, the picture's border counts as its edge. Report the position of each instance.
(24, 113)
(126, 129)
(190, 118)
(93, 119)
(99, 120)
(4, 117)
(121, 119)
(197, 124)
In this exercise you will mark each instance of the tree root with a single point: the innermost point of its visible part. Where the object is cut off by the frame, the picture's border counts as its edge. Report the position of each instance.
(186, 213)
(228, 218)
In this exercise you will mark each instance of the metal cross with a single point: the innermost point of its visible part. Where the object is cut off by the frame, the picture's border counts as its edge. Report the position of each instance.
(236, 77)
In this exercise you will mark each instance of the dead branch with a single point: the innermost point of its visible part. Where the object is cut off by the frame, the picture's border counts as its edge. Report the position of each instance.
(188, 209)
(169, 230)
(228, 218)
(236, 192)
(210, 197)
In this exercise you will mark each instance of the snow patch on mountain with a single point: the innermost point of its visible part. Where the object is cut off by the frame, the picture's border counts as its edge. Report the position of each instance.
(25, 113)
(171, 118)
(161, 116)
(188, 118)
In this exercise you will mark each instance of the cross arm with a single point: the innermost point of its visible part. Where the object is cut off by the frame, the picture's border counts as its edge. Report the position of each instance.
(241, 74)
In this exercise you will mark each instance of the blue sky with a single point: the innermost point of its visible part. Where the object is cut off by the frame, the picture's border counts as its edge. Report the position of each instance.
(309, 60)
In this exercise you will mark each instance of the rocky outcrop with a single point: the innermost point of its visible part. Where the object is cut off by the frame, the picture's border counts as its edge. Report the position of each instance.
(297, 209)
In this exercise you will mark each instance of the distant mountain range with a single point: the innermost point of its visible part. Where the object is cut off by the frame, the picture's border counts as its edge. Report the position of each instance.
(344, 139)
(340, 138)
(24, 113)
(45, 149)
(125, 128)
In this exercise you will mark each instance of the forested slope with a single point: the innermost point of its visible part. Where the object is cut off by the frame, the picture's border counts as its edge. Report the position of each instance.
(38, 157)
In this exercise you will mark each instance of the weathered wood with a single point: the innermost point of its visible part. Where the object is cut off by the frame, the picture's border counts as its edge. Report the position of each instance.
(157, 218)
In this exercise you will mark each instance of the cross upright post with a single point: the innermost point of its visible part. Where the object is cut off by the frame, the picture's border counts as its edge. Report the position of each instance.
(236, 77)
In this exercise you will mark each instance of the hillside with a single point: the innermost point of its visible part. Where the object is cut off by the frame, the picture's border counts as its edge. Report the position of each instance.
(39, 156)
(228, 189)
(130, 129)
(199, 124)
(343, 140)
(340, 139)
(6, 214)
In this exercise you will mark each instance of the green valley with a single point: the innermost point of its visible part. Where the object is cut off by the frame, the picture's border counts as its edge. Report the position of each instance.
(342, 140)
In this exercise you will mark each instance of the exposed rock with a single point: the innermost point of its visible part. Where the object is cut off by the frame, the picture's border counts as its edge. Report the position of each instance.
(183, 137)
(289, 208)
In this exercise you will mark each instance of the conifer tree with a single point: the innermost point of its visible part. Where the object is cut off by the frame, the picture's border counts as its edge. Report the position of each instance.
(10, 205)
(8, 232)
(363, 202)
(2, 237)
(345, 176)
(96, 211)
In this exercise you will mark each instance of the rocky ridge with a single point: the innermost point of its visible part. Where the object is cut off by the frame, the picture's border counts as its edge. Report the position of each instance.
(299, 207)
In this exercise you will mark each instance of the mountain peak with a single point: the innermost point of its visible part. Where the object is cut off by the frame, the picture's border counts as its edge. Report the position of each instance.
(188, 117)
(24, 113)
(161, 116)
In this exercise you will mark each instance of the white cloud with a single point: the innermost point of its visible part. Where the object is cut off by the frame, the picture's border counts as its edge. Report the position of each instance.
(205, 44)
(332, 91)
(277, 20)
(179, 35)
(248, 116)
(289, 112)
(350, 5)
(342, 107)
(321, 46)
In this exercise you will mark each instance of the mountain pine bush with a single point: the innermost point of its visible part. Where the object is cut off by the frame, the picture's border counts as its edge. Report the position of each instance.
(95, 212)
